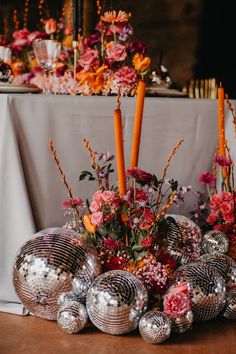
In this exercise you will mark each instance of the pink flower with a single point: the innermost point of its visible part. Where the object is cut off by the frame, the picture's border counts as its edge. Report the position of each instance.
(19, 43)
(72, 203)
(212, 218)
(97, 197)
(35, 35)
(94, 206)
(207, 178)
(116, 51)
(176, 300)
(226, 208)
(97, 218)
(141, 196)
(126, 75)
(88, 59)
(148, 220)
(108, 196)
(227, 196)
(215, 201)
(222, 161)
(21, 34)
(50, 26)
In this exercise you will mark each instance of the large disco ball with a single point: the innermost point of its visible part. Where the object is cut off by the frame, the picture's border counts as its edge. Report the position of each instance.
(230, 307)
(183, 239)
(215, 242)
(207, 286)
(47, 265)
(225, 265)
(155, 327)
(116, 301)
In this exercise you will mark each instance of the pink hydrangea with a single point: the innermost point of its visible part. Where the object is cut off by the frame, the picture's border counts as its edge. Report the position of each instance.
(116, 51)
(126, 75)
(207, 178)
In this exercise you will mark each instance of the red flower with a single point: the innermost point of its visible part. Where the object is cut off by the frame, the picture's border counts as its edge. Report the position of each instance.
(141, 176)
(222, 161)
(212, 218)
(147, 242)
(115, 263)
(207, 178)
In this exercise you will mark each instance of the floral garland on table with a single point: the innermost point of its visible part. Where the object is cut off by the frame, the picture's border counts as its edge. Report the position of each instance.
(217, 209)
(129, 231)
(108, 61)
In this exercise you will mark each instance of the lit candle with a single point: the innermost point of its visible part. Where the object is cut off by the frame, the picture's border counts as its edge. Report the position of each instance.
(118, 126)
(75, 20)
(221, 123)
(137, 124)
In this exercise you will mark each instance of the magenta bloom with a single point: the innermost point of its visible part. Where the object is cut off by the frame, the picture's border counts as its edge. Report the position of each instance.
(222, 161)
(72, 203)
(207, 178)
(93, 39)
(138, 47)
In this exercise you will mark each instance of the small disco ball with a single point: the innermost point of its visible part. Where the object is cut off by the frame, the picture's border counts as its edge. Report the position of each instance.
(183, 239)
(46, 266)
(230, 307)
(116, 301)
(183, 323)
(155, 327)
(225, 265)
(207, 286)
(215, 242)
(72, 317)
(69, 296)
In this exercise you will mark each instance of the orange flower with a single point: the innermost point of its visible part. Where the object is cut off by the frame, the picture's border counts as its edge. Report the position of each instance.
(113, 16)
(18, 68)
(85, 77)
(140, 63)
(124, 217)
(67, 41)
(88, 224)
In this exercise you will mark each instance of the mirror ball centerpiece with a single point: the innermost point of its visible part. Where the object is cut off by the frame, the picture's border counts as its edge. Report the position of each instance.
(47, 266)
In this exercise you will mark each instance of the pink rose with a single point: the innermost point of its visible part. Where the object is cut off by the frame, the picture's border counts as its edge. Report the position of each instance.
(229, 217)
(108, 196)
(97, 197)
(182, 288)
(21, 34)
(227, 196)
(226, 208)
(94, 206)
(89, 59)
(212, 218)
(116, 51)
(97, 218)
(21, 42)
(35, 35)
(126, 75)
(176, 305)
(215, 201)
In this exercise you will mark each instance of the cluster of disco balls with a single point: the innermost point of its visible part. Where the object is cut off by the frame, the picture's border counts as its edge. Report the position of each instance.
(57, 276)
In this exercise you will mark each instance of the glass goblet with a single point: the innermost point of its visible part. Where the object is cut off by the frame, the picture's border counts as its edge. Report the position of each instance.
(46, 52)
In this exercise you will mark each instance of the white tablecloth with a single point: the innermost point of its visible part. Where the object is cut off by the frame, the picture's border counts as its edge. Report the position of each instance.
(30, 186)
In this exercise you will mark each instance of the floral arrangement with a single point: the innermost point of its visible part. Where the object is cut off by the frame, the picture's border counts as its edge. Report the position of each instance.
(217, 209)
(129, 231)
(108, 61)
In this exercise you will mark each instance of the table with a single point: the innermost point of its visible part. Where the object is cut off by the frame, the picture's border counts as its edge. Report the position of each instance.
(30, 185)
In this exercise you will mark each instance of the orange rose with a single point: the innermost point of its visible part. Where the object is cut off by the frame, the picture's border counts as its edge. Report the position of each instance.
(140, 63)
(50, 26)
(88, 224)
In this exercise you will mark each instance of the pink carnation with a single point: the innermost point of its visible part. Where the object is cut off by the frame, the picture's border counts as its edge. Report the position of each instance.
(97, 218)
(215, 201)
(228, 217)
(88, 59)
(207, 178)
(126, 75)
(227, 196)
(116, 52)
(222, 161)
(226, 208)
(72, 203)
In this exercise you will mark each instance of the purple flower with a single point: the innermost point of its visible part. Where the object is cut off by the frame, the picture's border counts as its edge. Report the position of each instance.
(138, 47)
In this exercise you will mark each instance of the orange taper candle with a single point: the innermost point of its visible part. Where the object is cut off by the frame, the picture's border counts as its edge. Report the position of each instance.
(120, 151)
(137, 124)
(221, 123)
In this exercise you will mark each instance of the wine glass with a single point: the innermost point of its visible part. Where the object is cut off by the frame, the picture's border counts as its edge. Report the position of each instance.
(46, 52)
(5, 54)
